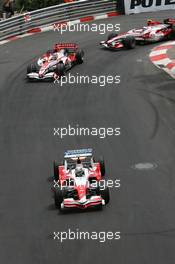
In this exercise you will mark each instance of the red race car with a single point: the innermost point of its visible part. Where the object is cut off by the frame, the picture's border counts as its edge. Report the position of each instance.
(77, 181)
(54, 63)
(155, 31)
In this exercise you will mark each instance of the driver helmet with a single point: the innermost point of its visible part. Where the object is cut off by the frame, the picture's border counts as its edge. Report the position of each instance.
(149, 22)
(63, 52)
(79, 172)
(54, 56)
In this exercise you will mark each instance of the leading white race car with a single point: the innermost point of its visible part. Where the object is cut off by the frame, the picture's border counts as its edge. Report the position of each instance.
(54, 63)
(155, 31)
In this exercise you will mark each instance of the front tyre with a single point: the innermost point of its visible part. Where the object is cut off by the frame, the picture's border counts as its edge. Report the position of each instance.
(32, 68)
(105, 195)
(60, 69)
(129, 42)
(112, 35)
(58, 198)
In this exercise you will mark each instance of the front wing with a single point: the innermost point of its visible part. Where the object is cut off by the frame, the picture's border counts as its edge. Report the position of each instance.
(117, 46)
(35, 75)
(94, 201)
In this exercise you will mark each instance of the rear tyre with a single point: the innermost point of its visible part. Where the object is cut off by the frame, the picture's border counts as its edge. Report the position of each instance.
(80, 56)
(129, 42)
(112, 35)
(58, 198)
(102, 166)
(172, 36)
(48, 52)
(56, 171)
(105, 195)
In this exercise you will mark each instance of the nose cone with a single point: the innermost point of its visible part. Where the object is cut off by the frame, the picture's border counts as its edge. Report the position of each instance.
(43, 69)
(81, 189)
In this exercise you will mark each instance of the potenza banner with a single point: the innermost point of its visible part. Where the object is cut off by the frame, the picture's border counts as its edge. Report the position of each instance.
(138, 6)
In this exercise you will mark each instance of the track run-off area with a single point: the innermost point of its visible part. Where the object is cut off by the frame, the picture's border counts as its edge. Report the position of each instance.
(142, 105)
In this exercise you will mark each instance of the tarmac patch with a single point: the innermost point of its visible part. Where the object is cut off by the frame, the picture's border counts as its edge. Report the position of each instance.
(145, 166)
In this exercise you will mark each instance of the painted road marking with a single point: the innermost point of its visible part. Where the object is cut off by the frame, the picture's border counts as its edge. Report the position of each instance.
(161, 60)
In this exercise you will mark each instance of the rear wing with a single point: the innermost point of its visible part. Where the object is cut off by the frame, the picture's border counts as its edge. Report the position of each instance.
(78, 153)
(69, 46)
(169, 21)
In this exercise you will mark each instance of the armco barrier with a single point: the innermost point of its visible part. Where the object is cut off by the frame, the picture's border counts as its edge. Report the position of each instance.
(33, 21)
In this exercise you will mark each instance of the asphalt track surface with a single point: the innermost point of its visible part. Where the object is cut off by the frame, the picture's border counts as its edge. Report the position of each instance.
(143, 105)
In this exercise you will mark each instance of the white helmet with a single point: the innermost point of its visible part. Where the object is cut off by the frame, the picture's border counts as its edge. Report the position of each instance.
(79, 172)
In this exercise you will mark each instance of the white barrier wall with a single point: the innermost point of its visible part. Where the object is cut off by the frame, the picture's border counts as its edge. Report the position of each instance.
(138, 6)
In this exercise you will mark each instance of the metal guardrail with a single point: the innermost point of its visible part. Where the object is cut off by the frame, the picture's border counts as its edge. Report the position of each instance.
(54, 14)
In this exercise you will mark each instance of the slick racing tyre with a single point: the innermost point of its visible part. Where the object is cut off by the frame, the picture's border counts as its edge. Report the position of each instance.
(105, 195)
(49, 52)
(32, 68)
(102, 166)
(80, 56)
(112, 35)
(56, 171)
(172, 36)
(60, 69)
(58, 197)
(166, 21)
(129, 42)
